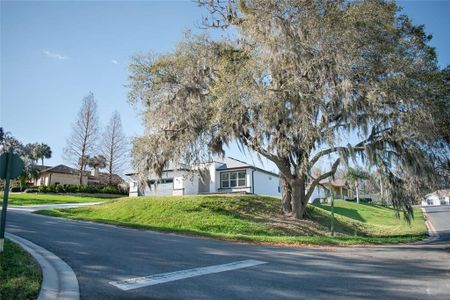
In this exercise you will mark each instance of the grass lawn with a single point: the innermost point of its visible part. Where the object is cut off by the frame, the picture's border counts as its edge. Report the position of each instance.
(36, 199)
(20, 275)
(253, 218)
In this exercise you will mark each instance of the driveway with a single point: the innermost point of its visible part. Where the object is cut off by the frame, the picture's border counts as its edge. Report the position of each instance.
(100, 254)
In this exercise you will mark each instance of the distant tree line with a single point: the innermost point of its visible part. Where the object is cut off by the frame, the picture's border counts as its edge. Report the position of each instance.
(31, 154)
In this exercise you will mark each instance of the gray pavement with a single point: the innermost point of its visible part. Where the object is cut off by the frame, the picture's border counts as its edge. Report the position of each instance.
(101, 253)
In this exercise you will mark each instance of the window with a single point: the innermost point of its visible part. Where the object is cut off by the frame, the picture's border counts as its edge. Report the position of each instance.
(225, 180)
(233, 179)
(160, 181)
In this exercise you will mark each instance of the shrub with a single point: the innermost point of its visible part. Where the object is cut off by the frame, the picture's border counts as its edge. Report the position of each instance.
(86, 189)
(361, 200)
(43, 189)
(51, 189)
(71, 188)
(16, 189)
(59, 188)
(31, 190)
(110, 190)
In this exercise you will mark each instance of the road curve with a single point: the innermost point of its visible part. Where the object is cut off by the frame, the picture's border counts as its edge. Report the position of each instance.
(101, 253)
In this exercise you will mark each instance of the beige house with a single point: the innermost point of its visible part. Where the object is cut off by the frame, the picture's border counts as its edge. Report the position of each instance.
(60, 174)
(64, 175)
(339, 187)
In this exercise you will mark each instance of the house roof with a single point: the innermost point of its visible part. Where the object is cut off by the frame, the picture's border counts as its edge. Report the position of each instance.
(63, 169)
(336, 182)
(440, 193)
(225, 163)
(41, 167)
(229, 163)
(102, 176)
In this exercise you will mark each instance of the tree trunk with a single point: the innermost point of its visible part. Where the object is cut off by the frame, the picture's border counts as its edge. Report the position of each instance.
(383, 202)
(42, 160)
(286, 192)
(299, 201)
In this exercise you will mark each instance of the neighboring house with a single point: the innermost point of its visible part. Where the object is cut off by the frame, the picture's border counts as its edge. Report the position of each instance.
(340, 188)
(227, 175)
(440, 197)
(64, 175)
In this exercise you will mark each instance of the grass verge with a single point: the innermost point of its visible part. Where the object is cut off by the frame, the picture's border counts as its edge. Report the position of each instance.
(24, 199)
(20, 275)
(253, 219)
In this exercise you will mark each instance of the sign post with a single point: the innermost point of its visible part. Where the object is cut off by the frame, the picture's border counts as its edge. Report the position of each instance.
(332, 213)
(11, 166)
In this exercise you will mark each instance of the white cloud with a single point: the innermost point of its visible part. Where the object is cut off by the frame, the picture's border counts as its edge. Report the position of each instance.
(54, 55)
(115, 62)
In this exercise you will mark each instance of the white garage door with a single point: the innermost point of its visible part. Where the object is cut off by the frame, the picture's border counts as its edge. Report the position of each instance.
(164, 187)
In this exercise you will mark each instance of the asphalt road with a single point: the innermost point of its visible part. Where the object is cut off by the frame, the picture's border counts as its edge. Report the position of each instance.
(101, 253)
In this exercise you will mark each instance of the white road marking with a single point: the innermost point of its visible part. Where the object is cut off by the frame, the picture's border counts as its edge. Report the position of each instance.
(139, 282)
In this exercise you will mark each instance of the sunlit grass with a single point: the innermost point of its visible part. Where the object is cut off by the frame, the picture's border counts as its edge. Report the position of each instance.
(253, 218)
(24, 199)
(20, 275)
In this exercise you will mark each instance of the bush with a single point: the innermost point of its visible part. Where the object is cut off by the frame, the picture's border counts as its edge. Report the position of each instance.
(31, 190)
(71, 188)
(43, 189)
(59, 189)
(361, 200)
(51, 189)
(16, 189)
(110, 190)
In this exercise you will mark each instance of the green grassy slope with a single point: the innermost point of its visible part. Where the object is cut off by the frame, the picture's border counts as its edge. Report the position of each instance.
(252, 218)
(37, 199)
(20, 275)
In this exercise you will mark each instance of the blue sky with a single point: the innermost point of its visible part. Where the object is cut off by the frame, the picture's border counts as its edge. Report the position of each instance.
(54, 53)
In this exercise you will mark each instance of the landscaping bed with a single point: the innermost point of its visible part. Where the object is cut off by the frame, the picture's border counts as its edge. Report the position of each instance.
(253, 218)
(20, 275)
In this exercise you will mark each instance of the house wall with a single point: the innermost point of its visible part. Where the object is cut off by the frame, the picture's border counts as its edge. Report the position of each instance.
(244, 189)
(266, 184)
(318, 193)
(134, 188)
(435, 200)
(63, 179)
(161, 189)
(183, 183)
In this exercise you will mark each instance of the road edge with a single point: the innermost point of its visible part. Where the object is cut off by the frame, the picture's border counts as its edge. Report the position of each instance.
(58, 279)
(433, 235)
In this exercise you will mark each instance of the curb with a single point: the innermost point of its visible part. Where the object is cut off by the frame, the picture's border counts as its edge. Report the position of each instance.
(59, 280)
(433, 235)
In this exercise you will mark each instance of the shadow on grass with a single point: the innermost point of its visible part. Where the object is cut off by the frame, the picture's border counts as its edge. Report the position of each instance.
(265, 210)
(346, 212)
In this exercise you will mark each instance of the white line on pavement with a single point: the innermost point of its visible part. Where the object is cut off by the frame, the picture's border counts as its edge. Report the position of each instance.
(139, 282)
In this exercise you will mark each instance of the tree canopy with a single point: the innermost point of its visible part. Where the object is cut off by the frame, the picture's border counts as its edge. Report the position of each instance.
(302, 82)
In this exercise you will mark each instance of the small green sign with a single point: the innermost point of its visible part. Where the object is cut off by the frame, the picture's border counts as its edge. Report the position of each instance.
(16, 167)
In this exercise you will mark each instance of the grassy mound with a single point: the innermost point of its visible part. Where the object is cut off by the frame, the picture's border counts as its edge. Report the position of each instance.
(252, 218)
(20, 275)
(39, 199)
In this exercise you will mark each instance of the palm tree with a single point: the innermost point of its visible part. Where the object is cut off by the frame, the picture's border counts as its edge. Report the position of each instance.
(354, 175)
(97, 162)
(42, 151)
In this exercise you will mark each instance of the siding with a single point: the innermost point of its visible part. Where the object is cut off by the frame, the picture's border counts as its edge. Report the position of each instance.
(266, 184)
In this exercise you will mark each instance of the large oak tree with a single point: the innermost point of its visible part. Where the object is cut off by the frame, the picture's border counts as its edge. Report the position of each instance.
(300, 82)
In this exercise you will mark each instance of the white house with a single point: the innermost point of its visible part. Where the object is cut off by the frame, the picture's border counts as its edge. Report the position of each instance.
(440, 197)
(227, 175)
